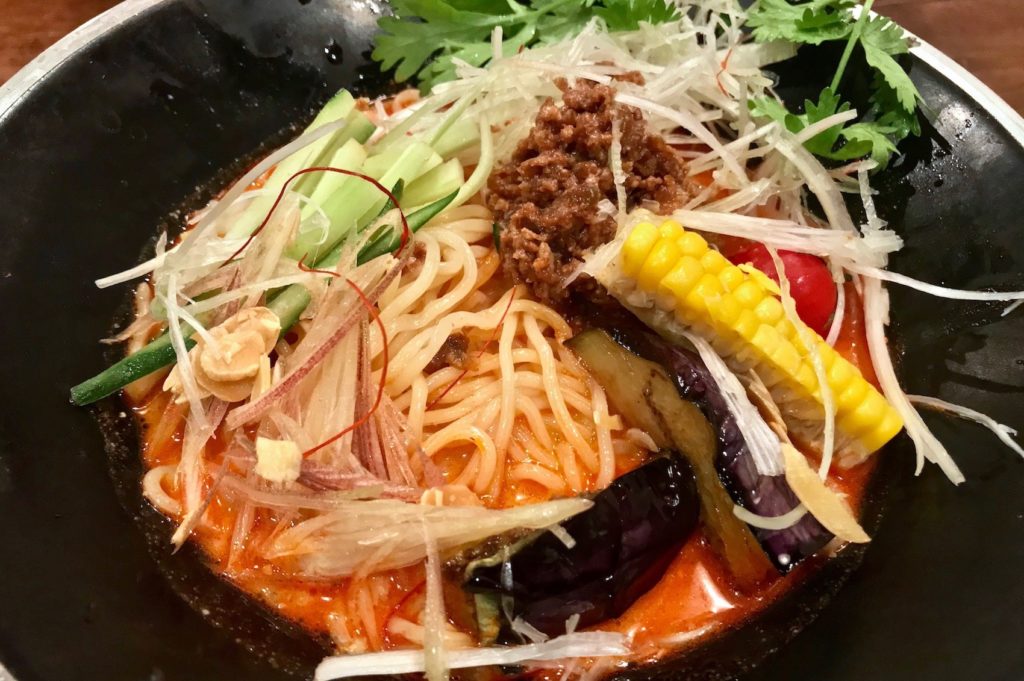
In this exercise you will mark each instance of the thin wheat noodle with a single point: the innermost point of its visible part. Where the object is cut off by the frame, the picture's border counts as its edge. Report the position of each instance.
(538, 474)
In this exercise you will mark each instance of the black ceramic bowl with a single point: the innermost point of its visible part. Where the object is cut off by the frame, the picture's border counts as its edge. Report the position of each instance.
(146, 112)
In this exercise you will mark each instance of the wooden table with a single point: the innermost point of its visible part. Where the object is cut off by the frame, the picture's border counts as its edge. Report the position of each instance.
(986, 36)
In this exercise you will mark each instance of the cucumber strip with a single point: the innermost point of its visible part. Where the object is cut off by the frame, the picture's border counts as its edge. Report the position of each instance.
(340, 106)
(351, 156)
(358, 128)
(431, 186)
(378, 165)
(463, 134)
(359, 202)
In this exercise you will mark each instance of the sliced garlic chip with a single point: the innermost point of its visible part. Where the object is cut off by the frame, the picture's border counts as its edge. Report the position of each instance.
(236, 363)
(822, 502)
(278, 460)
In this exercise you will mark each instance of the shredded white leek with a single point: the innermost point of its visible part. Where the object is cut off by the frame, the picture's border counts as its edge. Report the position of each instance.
(434, 653)
(933, 289)
(562, 535)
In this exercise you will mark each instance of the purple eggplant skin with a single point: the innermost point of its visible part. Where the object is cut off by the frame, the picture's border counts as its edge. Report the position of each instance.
(623, 545)
(761, 494)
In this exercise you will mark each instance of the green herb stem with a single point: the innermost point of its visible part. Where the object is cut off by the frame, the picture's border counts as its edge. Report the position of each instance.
(858, 29)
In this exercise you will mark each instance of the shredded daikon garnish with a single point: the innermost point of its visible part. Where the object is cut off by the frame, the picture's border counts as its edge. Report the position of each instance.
(582, 644)
(780, 522)
(933, 289)
(1003, 432)
(521, 626)
(876, 317)
(337, 543)
(562, 535)
(762, 442)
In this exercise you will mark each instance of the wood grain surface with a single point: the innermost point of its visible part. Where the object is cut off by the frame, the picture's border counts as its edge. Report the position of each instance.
(986, 36)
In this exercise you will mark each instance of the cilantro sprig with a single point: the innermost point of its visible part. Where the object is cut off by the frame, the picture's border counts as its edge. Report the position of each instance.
(425, 38)
(892, 116)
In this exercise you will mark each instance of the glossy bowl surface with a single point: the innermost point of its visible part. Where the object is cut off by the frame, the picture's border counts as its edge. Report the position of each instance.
(138, 121)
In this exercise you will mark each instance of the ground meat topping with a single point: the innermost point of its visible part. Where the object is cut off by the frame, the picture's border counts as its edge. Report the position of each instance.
(546, 196)
(452, 353)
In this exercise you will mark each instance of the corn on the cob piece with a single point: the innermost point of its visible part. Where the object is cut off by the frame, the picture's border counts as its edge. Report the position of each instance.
(670, 275)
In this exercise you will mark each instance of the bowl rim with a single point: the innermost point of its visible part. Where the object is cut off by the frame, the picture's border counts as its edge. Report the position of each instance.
(21, 83)
(17, 88)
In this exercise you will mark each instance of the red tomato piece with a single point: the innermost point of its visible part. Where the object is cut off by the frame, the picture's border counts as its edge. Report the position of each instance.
(810, 282)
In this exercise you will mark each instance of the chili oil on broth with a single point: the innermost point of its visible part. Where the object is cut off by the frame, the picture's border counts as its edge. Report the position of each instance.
(537, 461)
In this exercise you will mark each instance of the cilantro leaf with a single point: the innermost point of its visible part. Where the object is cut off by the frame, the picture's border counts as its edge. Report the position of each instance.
(811, 23)
(867, 138)
(769, 107)
(626, 15)
(836, 143)
(402, 42)
(426, 37)
(889, 112)
(893, 113)
(882, 40)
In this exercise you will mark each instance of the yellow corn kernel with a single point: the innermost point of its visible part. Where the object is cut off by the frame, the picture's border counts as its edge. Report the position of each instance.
(693, 244)
(702, 294)
(749, 294)
(767, 340)
(841, 374)
(670, 229)
(726, 311)
(731, 277)
(746, 325)
(639, 244)
(867, 415)
(885, 430)
(787, 359)
(807, 378)
(827, 354)
(770, 311)
(661, 259)
(847, 398)
(714, 262)
(682, 278)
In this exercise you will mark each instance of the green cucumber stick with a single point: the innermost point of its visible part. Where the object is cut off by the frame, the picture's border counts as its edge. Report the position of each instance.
(431, 186)
(358, 128)
(339, 107)
(462, 134)
(389, 239)
(346, 207)
(406, 176)
(350, 156)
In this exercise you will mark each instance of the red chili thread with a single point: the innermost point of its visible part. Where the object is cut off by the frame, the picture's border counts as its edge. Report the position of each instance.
(494, 333)
(406, 232)
(383, 372)
(718, 76)
(314, 270)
